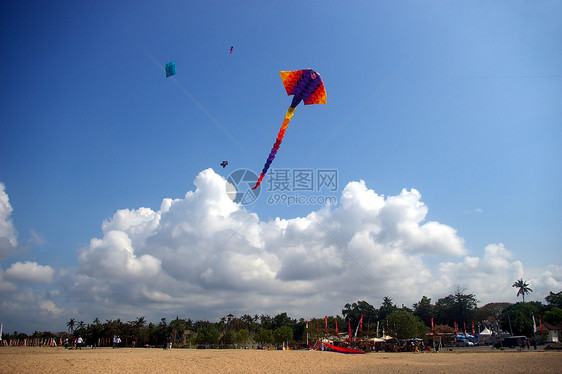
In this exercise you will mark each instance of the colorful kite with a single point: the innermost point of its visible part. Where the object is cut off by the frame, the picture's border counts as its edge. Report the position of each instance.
(170, 69)
(231, 48)
(224, 164)
(305, 85)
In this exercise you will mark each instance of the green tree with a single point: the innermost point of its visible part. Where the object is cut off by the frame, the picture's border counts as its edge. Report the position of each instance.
(456, 307)
(404, 325)
(424, 310)
(71, 325)
(518, 318)
(250, 322)
(208, 334)
(242, 337)
(553, 316)
(523, 287)
(282, 334)
(386, 308)
(94, 332)
(264, 336)
(266, 322)
(490, 312)
(139, 331)
(554, 299)
(228, 338)
(177, 328)
(354, 312)
(282, 319)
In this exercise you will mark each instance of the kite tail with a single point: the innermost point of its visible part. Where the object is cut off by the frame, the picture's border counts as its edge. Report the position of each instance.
(276, 145)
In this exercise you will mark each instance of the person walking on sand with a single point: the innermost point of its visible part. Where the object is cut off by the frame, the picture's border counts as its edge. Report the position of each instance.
(169, 344)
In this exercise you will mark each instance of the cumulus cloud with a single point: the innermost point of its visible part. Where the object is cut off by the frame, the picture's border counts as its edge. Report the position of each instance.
(205, 251)
(20, 272)
(6, 285)
(8, 235)
(487, 277)
(205, 256)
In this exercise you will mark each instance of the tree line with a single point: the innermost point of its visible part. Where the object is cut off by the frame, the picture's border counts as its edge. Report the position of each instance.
(456, 309)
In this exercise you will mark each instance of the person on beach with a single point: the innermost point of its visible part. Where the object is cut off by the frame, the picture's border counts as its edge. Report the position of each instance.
(169, 343)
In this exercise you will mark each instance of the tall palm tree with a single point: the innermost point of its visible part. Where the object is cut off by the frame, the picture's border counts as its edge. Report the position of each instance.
(71, 324)
(523, 287)
(81, 325)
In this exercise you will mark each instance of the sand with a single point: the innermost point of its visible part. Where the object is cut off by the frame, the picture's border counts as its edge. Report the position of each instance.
(153, 360)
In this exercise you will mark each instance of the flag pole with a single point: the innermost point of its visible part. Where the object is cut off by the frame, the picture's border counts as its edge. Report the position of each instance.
(307, 333)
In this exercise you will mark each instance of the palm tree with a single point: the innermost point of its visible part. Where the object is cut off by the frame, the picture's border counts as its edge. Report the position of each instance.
(71, 324)
(523, 288)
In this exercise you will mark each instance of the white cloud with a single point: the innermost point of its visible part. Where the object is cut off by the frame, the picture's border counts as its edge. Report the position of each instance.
(49, 306)
(474, 211)
(8, 235)
(489, 278)
(6, 285)
(36, 238)
(29, 272)
(205, 256)
(204, 251)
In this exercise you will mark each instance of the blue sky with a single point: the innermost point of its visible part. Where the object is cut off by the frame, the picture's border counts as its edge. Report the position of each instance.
(458, 103)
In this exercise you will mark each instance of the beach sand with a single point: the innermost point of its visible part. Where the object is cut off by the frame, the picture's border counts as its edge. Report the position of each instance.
(153, 360)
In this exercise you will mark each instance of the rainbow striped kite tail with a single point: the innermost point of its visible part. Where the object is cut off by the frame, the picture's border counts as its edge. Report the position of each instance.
(259, 181)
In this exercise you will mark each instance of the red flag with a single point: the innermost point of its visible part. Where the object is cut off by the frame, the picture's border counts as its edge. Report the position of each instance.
(349, 325)
(326, 323)
(472, 327)
(464, 323)
(455, 328)
(336, 325)
(361, 323)
(307, 324)
(432, 326)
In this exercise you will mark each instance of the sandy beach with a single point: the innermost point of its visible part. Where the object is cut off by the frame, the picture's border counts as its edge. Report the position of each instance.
(140, 360)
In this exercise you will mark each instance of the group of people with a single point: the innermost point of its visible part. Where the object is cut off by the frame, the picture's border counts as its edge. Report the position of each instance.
(77, 343)
(116, 341)
(528, 344)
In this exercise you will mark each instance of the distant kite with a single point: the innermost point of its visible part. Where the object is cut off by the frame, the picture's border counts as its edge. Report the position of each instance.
(231, 48)
(306, 85)
(224, 164)
(170, 69)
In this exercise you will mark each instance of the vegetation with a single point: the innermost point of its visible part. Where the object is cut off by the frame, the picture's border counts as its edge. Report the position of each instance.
(523, 288)
(459, 307)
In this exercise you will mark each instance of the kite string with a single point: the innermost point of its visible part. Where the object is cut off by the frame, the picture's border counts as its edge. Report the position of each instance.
(202, 108)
